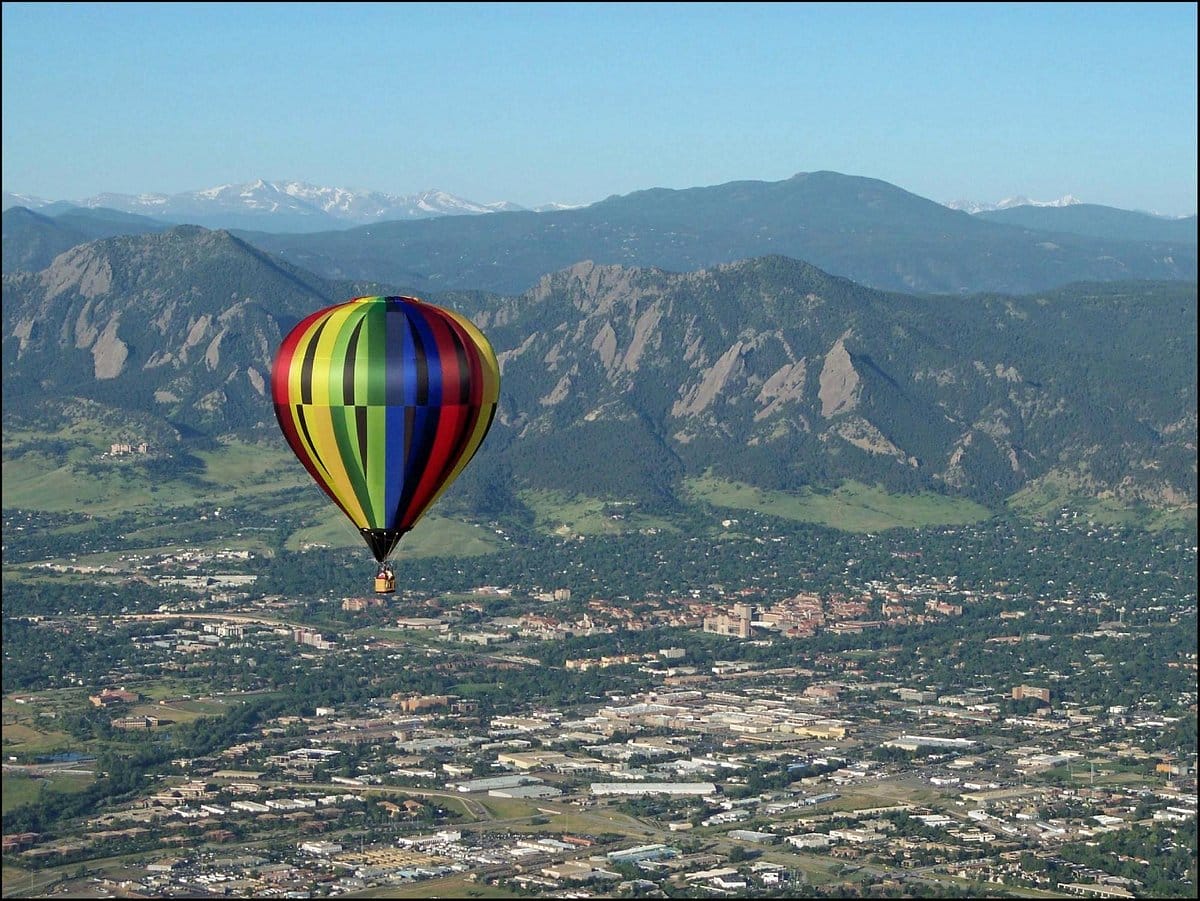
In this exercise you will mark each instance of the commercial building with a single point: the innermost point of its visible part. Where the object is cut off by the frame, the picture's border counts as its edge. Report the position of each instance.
(758, 838)
(653, 788)
(494, 782)
(916, 742)
(1021, 692)
(640, 853)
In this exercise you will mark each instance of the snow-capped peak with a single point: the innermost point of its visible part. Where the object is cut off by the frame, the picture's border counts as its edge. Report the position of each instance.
(975, 206)
(290, 205)
(1065, 200)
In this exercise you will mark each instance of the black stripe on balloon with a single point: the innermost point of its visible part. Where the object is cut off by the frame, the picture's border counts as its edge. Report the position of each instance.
(310, 354)
(360, 422)
(308, 442)
(420, 364)
(348, 364)
(488, 428)
(418, 460)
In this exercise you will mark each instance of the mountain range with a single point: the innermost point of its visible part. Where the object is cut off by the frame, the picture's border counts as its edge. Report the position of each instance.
(624, 381)
(863, 229)
(867, 230)
(290, 206)
(287, 206)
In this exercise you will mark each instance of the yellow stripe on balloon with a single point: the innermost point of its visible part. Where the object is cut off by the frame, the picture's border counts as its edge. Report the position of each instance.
(320, 426)
(323, 392)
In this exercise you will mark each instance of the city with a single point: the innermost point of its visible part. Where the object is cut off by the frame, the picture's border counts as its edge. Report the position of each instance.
(916, 731)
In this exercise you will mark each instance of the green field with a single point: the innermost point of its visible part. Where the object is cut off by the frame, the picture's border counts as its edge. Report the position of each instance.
(165, 689)
(561, 514)
(1057, 491)
(235, 474)
(21, 883)
(180, 711)
(264, 478)
(108, 486)
(21, 789)
(509, 808)
(433, 536)
(853, 507)
(20, 738)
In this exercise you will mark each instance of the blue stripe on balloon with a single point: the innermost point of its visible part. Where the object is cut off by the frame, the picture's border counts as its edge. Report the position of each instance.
(394, 465)
(397, 351)
(433, 360)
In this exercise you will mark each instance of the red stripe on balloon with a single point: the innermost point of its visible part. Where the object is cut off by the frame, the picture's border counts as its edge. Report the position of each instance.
(474, 364)
(441, 459)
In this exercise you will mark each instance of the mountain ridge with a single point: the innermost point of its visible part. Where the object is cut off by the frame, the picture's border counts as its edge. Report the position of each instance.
(622, 381)
(288, 205)
(864, 229)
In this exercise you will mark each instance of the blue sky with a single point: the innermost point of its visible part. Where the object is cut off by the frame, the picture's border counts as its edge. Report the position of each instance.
(572, 103)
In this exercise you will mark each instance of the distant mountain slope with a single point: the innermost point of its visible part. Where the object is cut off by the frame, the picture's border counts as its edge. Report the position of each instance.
(32, 240)
(859, 228)
(620, 381)
(1096, 221)
(184, 324)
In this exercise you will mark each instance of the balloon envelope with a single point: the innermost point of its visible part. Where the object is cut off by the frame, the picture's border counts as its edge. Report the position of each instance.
(385, 400)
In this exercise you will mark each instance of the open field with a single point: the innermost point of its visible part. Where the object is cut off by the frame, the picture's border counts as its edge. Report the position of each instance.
(107, 486)
(415, 638)
(509, 808)
(21, 883)
(20, 788)
(164, 689)
(180, 711)
(53, 700)
(600, 820)
(817, 869)
(853, 507)
(1057, 491)
(263, 477)
(433, 536)
(23, 739)
(561, 514)
(250, 477)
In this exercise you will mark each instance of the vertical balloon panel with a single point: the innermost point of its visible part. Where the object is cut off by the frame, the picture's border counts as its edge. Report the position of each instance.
(385, 400)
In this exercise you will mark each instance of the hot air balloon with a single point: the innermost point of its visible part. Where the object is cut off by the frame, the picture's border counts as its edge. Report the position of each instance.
(385, 400)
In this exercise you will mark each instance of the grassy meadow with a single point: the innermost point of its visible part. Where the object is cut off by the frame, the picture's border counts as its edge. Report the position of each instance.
(255, 496)
(853, 507)
(565, 515)
(1057, 491)
(20, 788)
(434, 536)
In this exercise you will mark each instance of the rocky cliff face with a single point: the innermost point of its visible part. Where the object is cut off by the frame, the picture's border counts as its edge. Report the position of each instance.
(773, 368)
(185, 322)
